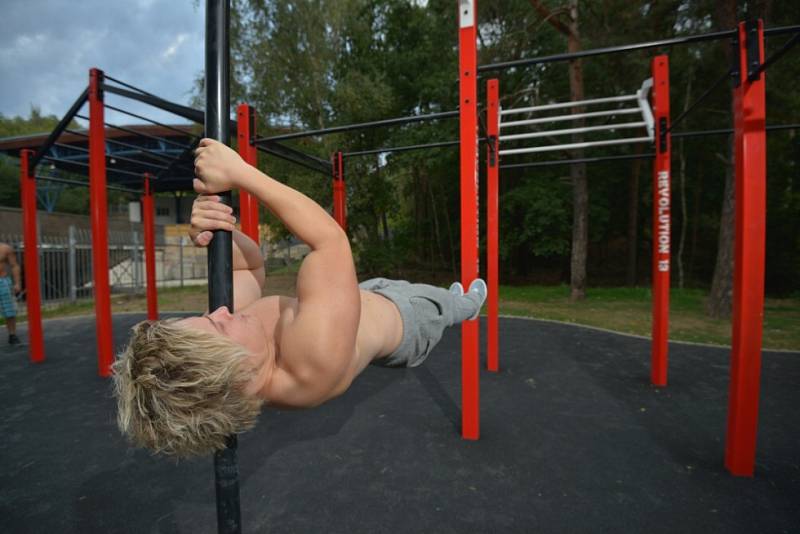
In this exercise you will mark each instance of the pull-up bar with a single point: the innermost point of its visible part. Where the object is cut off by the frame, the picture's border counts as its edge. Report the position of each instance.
(399, 149)
(689, 39)
(360, 126)
(220, 250)
(575, 103)
(151, 121)
(596, 159)
(141, 134)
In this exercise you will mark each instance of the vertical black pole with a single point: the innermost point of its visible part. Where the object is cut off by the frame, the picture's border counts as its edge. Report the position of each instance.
(220, 252)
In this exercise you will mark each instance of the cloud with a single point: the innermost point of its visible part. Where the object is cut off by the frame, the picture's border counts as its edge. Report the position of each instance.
(48, 47)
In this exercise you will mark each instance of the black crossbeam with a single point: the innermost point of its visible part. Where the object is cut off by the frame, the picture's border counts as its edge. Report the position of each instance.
(360, 126)
(59, 129)
(577, 160)
(140, 134)
(151, 121)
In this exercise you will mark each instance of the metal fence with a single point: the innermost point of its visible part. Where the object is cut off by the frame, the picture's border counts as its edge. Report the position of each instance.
(65, 263)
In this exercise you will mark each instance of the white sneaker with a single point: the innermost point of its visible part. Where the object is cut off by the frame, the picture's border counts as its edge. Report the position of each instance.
(478, 286)
(456, 289)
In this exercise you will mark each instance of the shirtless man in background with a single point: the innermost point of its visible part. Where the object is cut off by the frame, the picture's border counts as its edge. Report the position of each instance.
(183, 385)
(9, 287)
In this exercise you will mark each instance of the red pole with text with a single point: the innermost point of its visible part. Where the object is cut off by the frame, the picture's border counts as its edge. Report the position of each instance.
(148, 216)
(248, 205)
(661, 221)
(492, 231)
(468, 135)
(99, 218)
(748, 287)
(33, 294)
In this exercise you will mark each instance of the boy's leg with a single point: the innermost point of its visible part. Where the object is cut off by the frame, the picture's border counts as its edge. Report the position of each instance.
(426, 312)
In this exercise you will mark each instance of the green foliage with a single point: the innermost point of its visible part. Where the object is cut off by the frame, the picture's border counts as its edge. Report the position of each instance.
(309, 64)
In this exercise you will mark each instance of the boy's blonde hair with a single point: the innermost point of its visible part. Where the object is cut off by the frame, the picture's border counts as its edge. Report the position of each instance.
(180, 391)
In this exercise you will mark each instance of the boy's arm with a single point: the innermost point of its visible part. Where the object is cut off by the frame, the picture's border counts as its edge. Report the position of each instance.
(209, 214)
(322, 336)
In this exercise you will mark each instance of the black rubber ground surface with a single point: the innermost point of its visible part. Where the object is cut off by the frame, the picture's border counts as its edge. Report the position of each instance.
(573, 439)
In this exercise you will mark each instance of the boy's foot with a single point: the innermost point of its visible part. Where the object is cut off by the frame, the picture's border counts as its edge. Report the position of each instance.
(478, 287)
(456, 289)
(13, 340)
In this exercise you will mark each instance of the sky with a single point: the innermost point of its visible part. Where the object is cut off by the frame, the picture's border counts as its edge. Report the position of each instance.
(48, 46)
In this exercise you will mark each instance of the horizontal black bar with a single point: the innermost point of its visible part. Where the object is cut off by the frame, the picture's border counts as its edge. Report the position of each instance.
(724, 131)
(81, 164)
(86, 184)
(106, 77)
(275, 150)
(151, 121)
(145, 151)
(714, 36)
(62, 125)
(179, 162)
(141, 134)
(609, 50)
(186, 112)
(359, 126)
(323, 165)
(778, 30)
(121, 158)
(400, 148)
(578, 160)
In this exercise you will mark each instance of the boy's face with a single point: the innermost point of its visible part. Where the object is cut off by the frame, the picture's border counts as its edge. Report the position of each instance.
(245, 330)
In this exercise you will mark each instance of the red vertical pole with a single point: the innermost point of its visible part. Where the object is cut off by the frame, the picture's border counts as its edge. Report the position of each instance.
(339, 199)
(468, 118)
(248, 205)
(748, 288)
(661, 221)
(33, 296)
(148, 215)
(492, 231)
(99, 216)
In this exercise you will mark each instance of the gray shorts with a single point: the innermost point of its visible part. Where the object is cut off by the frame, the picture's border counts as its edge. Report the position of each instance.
(426, 311)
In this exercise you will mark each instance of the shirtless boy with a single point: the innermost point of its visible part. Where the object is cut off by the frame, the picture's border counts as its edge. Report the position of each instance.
(183, 385)
(9, 286)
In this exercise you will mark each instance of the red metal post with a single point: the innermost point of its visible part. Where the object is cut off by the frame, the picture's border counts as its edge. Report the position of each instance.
(248, 205)
(33, 296)
(99, 217)
(662, 175)
(468, 119)
(492, 218)
(339, 191)
(748, 291)
(148, 216)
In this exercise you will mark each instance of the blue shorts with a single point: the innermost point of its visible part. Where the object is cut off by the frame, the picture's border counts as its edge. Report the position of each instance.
(8, 304)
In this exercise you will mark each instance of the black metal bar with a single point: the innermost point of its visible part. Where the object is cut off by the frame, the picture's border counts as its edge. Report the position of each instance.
(578, 160)
(724, 131)
(270, 149)
(62, 125)
(121, 158)
(608, 50)
(220, 250)
(399, 148)
(360, 126)
(778, 30)
(151, 121)
(278, 149)
(679, 118)
(81, 164)
(186, 112)
(776, 56)
(129, 86)
(86, 184)
(140, 134)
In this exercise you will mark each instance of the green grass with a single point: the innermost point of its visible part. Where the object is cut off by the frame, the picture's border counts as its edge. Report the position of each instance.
(629, 310)
(621, 309)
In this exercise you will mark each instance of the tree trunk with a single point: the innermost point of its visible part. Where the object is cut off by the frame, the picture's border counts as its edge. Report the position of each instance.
(720, 299)
(580, 186)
